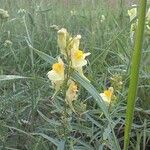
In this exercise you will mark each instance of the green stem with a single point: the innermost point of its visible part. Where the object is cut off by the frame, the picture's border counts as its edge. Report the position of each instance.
(134, 72)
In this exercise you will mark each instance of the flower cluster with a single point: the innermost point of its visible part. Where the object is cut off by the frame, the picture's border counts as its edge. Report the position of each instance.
(74, 59)
(107, 95)
(114, 85)
(56, 75)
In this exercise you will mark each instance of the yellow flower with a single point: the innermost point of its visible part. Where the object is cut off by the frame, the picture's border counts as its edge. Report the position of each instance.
(107, 95)
(71, 94)
(132, 13)
(78, 60)
(62, 37)
(56, 75)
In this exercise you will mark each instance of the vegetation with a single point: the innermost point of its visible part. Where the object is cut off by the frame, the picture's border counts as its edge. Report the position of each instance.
(34, 115)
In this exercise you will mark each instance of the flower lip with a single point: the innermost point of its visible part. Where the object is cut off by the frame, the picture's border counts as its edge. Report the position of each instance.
(58, 67)
(108, 93)
(78, 55)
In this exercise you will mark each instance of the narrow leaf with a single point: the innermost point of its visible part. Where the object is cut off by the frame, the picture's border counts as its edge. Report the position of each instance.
(19, 130)
(61, 145)
(54, 141)
(10, 77)
(52, 122)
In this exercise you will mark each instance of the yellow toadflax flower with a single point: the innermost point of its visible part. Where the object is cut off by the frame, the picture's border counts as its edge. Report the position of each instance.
(71, 94)
(62, 37)
(132, 13)
(56, 75)
(78, 60)
(107, 95)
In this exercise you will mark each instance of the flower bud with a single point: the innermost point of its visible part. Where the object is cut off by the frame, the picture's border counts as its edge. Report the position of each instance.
(62, 37)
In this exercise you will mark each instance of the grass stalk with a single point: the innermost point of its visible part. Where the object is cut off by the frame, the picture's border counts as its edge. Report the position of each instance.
(135, 66)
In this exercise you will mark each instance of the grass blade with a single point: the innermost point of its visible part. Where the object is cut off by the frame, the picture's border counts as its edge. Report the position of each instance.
(17, 129)
(50, 121)
(10, 77)
(54, 141)
(134, 73)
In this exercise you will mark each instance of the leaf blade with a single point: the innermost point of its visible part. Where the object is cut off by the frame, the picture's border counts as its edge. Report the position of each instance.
(11, 77)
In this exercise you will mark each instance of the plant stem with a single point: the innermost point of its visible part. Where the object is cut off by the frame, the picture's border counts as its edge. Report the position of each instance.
(134, 73)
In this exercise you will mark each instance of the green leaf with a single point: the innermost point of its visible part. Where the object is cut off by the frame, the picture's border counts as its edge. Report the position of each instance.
(52, 122)
(10, 77)
(89, 147)
(8, 148)
(82, 129)
(19, 130)
(54, 141)
(61, 145)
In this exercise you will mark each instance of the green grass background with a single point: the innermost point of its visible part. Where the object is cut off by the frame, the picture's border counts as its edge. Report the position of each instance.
(29, 99)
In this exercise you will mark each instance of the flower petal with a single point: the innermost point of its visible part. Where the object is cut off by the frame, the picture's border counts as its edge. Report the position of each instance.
(53, 76)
